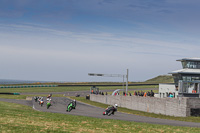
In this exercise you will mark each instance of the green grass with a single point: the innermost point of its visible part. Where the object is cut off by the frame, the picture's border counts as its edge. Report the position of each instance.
(63, 89)
(141, 113)
(23, 119)
(161, 79)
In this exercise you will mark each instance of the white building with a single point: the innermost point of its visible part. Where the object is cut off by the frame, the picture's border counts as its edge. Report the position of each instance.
(186, 80)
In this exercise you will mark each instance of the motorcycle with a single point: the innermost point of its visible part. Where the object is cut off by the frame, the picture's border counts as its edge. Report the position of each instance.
(35, 98)
(48, 105)
(110, 110)
(41, 103)
(71, 106)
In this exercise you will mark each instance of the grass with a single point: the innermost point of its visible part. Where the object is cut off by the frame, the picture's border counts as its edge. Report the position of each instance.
(23, 119)
(161, 79)
(63, 89)
(141, 113)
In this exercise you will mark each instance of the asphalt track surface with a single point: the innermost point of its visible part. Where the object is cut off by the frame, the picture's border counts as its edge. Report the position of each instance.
(59, 105)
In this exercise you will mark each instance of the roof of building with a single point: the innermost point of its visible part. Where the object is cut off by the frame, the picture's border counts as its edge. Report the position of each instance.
(189, 59)
(186, 71)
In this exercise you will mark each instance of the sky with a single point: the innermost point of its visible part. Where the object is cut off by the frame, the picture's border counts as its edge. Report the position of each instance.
(64, 40)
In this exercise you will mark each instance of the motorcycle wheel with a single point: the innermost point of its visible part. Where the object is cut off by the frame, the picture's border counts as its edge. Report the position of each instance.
(70, 108)
(109, 113)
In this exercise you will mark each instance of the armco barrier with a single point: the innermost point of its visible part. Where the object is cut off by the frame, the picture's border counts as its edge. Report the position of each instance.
(28, 86)
(180, 107)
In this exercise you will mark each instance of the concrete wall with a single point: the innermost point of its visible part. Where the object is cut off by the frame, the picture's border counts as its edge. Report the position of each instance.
(166, 106)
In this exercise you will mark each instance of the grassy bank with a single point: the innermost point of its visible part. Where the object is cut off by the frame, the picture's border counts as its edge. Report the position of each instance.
(23, 119)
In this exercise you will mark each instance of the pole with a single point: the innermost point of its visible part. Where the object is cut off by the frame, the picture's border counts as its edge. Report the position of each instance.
(127, 82)
(123, 82)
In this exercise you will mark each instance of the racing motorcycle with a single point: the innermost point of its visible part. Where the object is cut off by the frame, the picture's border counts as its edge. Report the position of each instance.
(110, 110)
(41, 103)
(71, 105)
(48, 105)
(35, 98)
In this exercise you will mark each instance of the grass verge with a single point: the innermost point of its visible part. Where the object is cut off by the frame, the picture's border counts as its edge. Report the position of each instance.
(23, 119)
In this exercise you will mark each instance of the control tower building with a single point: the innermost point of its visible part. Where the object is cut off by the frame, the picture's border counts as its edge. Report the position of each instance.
(186, 80)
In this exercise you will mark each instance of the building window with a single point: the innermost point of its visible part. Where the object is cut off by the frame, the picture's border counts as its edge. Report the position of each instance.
(191, 64)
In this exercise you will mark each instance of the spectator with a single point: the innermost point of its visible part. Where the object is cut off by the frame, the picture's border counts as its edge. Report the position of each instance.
(145, 94)
(194, 91)
(142, 93)
(152, 94)
(148, 93)
(138, 93)
(135, 93)
(171, 95)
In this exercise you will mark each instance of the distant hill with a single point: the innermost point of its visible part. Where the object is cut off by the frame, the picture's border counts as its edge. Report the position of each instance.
(156, 80)
(161, 79)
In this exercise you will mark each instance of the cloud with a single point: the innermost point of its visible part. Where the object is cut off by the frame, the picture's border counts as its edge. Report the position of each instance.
(98, 40)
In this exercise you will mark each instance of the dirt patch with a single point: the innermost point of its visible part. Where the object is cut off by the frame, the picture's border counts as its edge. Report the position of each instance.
(28, 98)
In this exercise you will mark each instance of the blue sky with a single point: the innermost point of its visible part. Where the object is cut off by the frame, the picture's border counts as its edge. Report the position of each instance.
(64, 40)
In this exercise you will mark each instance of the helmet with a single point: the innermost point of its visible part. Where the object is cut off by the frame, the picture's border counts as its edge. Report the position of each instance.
(74, 100)
(115, 106)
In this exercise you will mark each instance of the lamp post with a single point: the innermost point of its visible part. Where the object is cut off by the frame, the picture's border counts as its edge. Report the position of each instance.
(127, 82)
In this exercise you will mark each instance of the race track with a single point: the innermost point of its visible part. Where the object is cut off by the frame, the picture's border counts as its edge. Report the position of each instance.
(59, 105)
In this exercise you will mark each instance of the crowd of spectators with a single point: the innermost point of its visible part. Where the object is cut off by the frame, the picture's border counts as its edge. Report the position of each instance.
(135, 93)
(144, 94)
(140, 93)
(98, 92)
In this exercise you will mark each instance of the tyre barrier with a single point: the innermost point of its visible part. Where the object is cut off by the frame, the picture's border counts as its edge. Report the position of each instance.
(7, 93)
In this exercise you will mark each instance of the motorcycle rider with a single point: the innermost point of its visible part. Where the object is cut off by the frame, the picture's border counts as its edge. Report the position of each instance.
(111, 109)
(48, 103)
(49, 97)
(73, 103)
(41, 100)
(35, 98)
